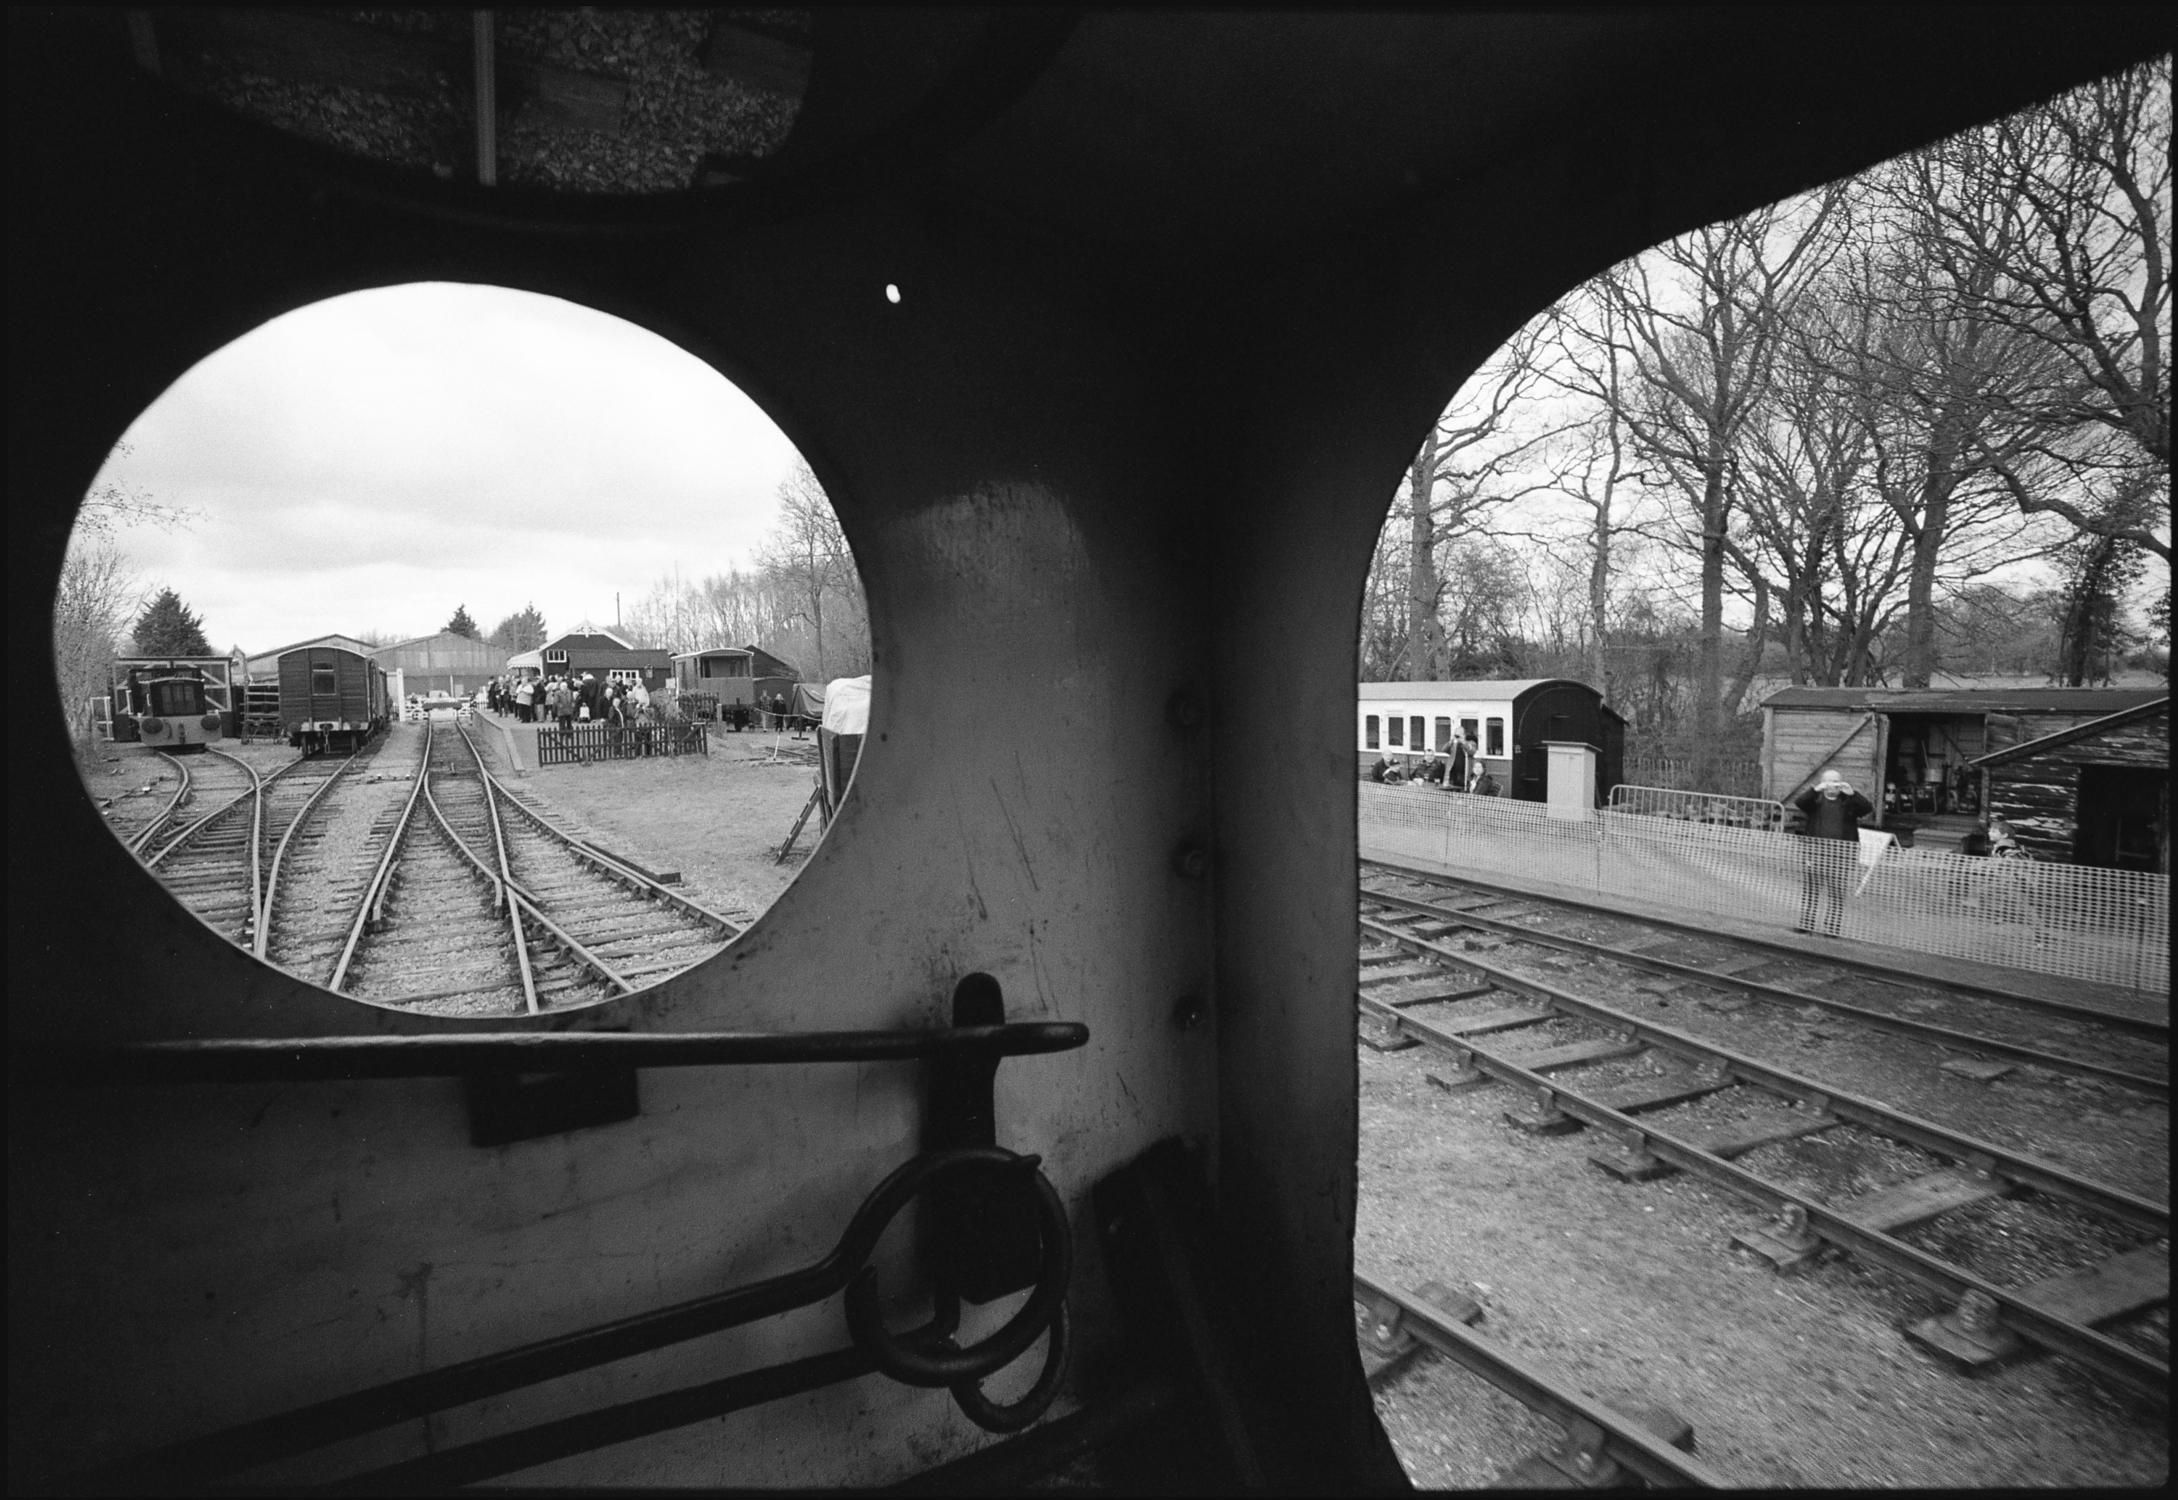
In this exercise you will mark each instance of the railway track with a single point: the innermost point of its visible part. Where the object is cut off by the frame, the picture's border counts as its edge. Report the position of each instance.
(216, 864)
(136, 815)
(2130, 1048)
(1666, 1100)
(318, 869)
(1600, 1446)
(481, 904)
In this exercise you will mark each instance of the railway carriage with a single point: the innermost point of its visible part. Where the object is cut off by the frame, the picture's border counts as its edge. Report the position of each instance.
(332, 700)
(170, 706)
(1109, 335)
(1512, 723)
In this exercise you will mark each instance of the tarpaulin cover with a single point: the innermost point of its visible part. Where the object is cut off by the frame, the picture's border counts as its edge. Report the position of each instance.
(846, 705)
(805, 700)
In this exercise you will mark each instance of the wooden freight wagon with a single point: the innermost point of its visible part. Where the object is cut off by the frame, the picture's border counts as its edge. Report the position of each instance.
(2097, 793)
(331, 699)
(725, 681)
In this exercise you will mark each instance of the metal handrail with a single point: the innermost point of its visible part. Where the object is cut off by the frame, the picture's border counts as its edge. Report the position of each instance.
(471, 1054)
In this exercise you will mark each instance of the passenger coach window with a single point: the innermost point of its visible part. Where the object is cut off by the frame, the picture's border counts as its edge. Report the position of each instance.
(1370, 731)
(1414, 735)
(1444, 734)
(1398, 729)
(1495, 745)
(1467, 729)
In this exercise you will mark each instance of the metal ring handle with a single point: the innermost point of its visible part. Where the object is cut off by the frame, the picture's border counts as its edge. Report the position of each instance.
(926, 1367)
(1012, 1416)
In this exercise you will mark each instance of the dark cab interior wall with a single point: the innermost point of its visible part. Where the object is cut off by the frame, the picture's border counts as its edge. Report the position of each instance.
(1179, 295)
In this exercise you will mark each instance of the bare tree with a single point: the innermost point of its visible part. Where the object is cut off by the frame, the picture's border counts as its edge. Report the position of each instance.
(1700, 321)
(1600, 475)
(2058, 232)
(807, 556)
(1481, 453)
(98, 595)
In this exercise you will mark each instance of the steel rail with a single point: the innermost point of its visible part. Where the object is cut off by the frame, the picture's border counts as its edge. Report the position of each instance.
(581, 951)
(463, 1054)
(519, 900)
(506, 872)
(2137, 1025)
(1770, 994)
(262, 943)
(618, 870)
(502, 882)
(1625, 1441)
(2043, 1176)
(135, 842)
(2075, 1341)
(370, 910)
(190, 830)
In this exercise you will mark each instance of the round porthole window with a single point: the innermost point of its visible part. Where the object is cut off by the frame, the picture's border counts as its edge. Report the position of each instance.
(463, 650)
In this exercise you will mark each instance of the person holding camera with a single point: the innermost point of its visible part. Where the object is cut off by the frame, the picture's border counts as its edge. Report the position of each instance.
(1830, 813)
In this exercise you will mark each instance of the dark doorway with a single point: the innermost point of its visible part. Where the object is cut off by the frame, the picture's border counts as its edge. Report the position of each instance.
(2124, 818)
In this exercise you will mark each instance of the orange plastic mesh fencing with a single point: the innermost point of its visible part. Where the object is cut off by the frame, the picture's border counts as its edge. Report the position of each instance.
(2111, 926)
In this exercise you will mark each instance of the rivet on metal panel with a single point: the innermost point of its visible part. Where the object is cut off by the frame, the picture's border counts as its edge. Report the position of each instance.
(1183, 711)
(1191, 859)
(1189, 1011)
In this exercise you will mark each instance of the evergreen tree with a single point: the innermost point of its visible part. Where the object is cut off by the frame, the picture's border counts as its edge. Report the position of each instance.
(168, 628)
(461, 624)
(523, 630)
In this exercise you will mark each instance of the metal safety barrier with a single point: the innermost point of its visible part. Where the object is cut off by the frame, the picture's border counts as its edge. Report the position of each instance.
(2110, 926)
(1699, 807)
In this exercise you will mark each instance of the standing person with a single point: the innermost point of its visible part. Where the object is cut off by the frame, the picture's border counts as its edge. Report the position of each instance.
(525, 695)
(1831, 812)
(1461, 767)
(563, 703)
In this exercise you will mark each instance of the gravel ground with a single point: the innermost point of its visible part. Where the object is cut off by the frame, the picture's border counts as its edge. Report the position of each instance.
(719, 818)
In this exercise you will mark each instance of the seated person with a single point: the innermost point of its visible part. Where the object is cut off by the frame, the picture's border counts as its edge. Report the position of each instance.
(1433, 772)
(1381, 770)
(1485, 784)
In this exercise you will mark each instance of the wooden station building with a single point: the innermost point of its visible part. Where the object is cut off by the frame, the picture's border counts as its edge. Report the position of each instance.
(1917, 752)
(600, 652)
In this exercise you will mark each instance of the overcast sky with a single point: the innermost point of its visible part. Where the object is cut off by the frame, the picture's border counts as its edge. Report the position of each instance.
(370, 462)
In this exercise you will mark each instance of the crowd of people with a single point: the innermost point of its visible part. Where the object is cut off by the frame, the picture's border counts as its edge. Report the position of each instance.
(580, 698)
(1458, 769)
(570, 700)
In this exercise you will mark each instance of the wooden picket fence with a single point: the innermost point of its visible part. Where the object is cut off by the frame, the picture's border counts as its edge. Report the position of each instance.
(588, 741)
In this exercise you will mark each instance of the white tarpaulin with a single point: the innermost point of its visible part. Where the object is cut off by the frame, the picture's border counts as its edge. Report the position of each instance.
(847, 705)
